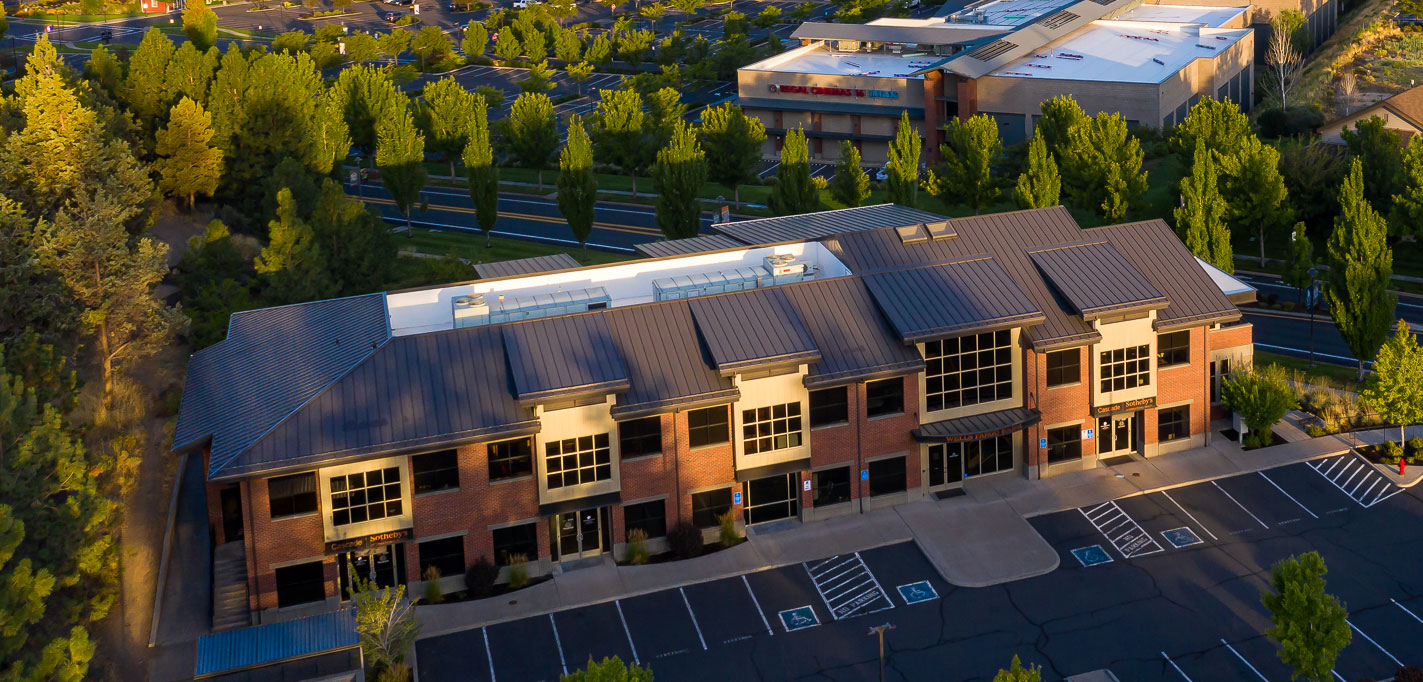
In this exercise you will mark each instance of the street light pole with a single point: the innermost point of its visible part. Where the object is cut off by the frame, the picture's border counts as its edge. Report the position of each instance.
(880, 630)
(1313, 303)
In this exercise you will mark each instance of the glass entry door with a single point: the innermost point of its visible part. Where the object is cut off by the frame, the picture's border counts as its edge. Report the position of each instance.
(945, 464)
(1116, 434)
(580, 533)
(772, 498)
(382, 566)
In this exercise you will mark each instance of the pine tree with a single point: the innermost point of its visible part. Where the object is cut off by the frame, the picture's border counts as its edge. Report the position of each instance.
(190, 73)
(1255, 189)
(481, 174)
(620, 132)
(144, 90)
(600, 50)
(1407, 216)
(1040, 185)
(400, 156)
(430, 41)
(1360, 271)
(904, 152)
(356, 246)
(214, 281)
(1381, 150)
(1103, 167)
(537, 79)
(188, 164)
(567, 46)
(732, 142)
(200, 25)
(476, 38)
(1299, 263)
(105, 70)
(970, 151)
(394, 44)
(534, 44)
(1310, 625)
(678, 175)
(1199, 218)
(577, 189)
(851, 185)
(445, 118)
(292, 263)
(664, 111)
(633, 45)
(794, 192)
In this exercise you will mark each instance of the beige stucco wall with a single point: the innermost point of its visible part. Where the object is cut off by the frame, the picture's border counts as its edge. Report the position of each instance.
(353, 530)
(1128, 334)
(573, 422)
(776, 390)
(1332, 133)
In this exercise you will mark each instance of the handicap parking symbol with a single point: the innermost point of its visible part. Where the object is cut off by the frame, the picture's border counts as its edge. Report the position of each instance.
(1181, 537)
(913, 593)
(799, 618)
(1092, 555)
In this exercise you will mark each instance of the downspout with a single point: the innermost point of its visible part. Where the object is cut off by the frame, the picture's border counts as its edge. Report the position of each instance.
(861, 482)
(250, 541)
(676, 467)
(1206, 373)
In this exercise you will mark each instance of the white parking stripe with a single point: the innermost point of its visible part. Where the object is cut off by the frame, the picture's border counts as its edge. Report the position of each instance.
(1242, 660)
(765, 622)
(1177, 667)
(1238, 504)
(1111, 520)
(694, 618)
(558, 643)
(1369, 481)
(1405, 610)
(488, 654)
(1338, 676)
(1292, 497)
(626, 631)
(1384, 497)
(1380, 647)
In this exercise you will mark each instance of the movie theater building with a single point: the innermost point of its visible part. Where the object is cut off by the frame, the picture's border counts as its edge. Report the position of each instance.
(1002, 58)
(786, 369)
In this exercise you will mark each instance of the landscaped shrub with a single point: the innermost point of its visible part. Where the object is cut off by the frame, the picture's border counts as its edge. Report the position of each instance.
(637, 546)
(1316, 431)
(1415, 446)
(480, 576)
(432, 586)
(518, 571)
(686, 540)
(729, 536)
(1392, 452)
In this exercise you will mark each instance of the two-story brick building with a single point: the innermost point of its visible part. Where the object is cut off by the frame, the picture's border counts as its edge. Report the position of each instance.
(792, 368)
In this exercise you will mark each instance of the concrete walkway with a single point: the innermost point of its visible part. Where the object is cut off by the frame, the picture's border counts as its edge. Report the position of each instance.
(977, 539)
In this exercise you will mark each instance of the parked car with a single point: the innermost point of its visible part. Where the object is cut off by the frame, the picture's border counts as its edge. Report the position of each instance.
(522, 4)
(882, 174)
(391, 17)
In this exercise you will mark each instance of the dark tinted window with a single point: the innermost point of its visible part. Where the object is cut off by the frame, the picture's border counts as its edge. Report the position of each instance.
(300, 584)
(887, 476)
(640, 437)
(1064, 444)
(574, 461)
(521, 539)
(436, 471)
(511, 458)
(708, 426)
(829, 406)
(1064, 367)
(831, 486)
(1173, 349)
(884, 397)
(709, 505)
(775, 427)
(291, 495)
(651, 517)
(446, 555)
(1173, 423)
(365, 496)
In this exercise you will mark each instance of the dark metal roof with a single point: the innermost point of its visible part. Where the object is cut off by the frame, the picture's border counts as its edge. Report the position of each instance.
(824, 223)
(273, 361)
(854, 342)
(977, 426)
(933, 34)
(682, 247)
(562, 356)
(752, 328)
(954, 298)
(275, 642)
(1096, 279)
(1156, 251)
(664, 361)
(420, 391)
(527, 266)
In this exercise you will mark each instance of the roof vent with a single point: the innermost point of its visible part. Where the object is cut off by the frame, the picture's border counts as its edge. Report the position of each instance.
(940, 229)
(470, 311)
(912, 234)
(784, 269)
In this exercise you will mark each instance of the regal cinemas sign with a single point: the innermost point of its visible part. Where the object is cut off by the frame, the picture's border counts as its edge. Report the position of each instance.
(833, 92)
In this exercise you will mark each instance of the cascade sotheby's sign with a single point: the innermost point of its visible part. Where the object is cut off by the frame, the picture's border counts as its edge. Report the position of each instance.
(834, 92)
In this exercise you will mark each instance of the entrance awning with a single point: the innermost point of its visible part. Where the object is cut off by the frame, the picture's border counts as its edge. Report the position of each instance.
(590, 502)
(273, 643)
(773, 470)
(978, 426)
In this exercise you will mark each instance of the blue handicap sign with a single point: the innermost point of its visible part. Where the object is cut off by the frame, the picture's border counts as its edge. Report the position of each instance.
(1091, 556)
(736, 498)
(913, 593)
(1181, 537)
(799, 618)
(864, 474)
(1042, 442)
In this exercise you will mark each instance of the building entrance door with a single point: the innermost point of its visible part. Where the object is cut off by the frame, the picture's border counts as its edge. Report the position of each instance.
(945, 464)
(231, 514)
(1117, 434)
(580, 533)
(772, 498)
(382, 566)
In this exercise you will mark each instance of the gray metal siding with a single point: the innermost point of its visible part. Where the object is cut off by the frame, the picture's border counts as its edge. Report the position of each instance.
(682, 247)
(275, 642)
(955, 298)
(824, 224)
(1096, 278)
(562, 354)
(664, 359)
(527, 266)
(752, 327)
(854, 339)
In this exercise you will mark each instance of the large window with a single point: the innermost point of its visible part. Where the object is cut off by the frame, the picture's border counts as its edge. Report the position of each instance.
(1064, 444)
(987, 456)
(968, 370)
(435, 471)
(1173, 423)
(709, 426)
(640, 437)
(511, 459)
(1173, 349)
(777, 427)
(830, 486)
(521, 539)
(883, 397)
(887, 476)
(300, 584)
(709, 505)
(1220, 369)
(829, 406)
(446, 555)
(1064, 367)
(650, 517)
(1125, 368)
(367, 496)
(292, 495)
(573, 461)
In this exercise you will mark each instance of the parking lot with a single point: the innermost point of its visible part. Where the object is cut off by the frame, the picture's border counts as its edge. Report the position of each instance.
(1162, 587)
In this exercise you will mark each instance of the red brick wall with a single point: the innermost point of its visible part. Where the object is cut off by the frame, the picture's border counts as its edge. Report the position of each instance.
(698, 468)
(651, 476)
(475, 506)
(1058, 404)
(276, 541)
(1230, 337)
(1183, 382)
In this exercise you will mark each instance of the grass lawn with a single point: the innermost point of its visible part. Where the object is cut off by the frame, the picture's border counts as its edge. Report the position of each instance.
(1337, 373)
(471, 246)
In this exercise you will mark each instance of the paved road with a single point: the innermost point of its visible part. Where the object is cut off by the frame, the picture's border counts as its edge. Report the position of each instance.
(1152, 611)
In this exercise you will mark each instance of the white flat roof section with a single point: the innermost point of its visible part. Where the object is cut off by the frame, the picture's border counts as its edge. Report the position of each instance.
(1007, 12)
(819, 59)
(1214, 17)
(1123, 52)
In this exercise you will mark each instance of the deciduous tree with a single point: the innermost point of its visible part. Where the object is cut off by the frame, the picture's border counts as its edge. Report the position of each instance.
(368, 96)
(851, 185)
(1255, 190)
(577, 189)
(610, 670)
(903, 166)
(1395, 389)
(1407, 216)
(200, 25)
(1360, 270)
(400, 156)
(732, 142)
(1310, 625)
(1284, 57)
(1040, 185)
(1381, 150)
(1103, 169)
(292, 263)
(567, 46)
(534, 44)
(600, 50)
(1200, 219)
(481, 175)
(1261, 397)
(445, 118)
(532, 133)
(620, 132)
(395, 43)
(677, 176)
(188, 164)
(1060, 115)
(794, 192)
(476, 38)
(633, 45)
(537, 79)
(1017, 673)
(385, 622)
(430, 42)
(579, 73)
(1218, 123)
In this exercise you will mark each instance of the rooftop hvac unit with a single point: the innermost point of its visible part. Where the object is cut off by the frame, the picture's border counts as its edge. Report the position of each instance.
(707, 283)
(476, 310)
(471, 311)
(980, 16)
(784, 269)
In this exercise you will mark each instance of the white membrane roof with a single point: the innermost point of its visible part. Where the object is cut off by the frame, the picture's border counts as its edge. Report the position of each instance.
(1123, 52)
(1214, 17)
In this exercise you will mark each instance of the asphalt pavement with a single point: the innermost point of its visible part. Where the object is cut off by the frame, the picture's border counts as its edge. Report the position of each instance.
(1163, 587)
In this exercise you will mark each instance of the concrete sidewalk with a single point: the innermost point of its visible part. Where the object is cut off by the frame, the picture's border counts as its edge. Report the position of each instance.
(978, 539)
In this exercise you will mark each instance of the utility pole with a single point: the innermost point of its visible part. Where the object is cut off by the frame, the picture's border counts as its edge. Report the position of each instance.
(880, 630)
(1313, 302)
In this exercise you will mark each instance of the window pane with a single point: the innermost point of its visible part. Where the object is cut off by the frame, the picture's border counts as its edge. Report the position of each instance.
(513, 458)
(831, 486)
(706, 506)
(708, 426)
(887, 476)
(968, 371)
(579, 460)
(884, 397)
(445, 555)
(290, 495)
(435, 471)
(775, 428)
(300, 584)
(520, 539)
(651, 517)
